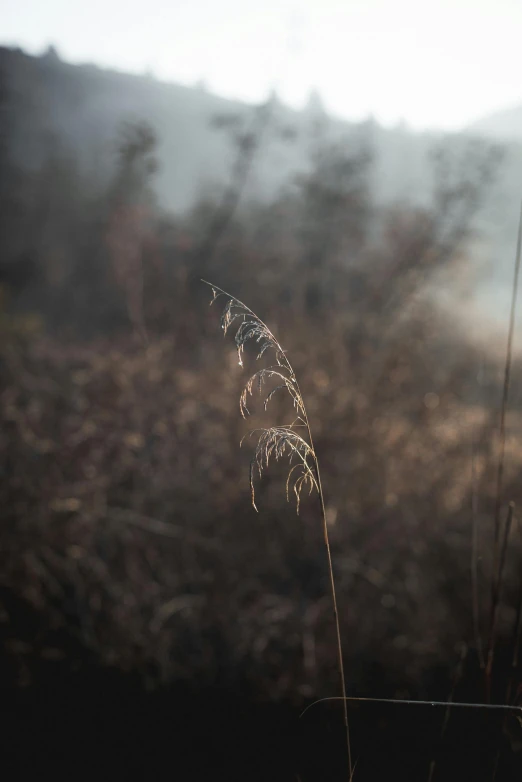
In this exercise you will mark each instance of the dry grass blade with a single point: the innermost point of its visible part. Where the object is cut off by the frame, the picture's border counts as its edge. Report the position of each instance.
(497, 555)
(278, 442)
(475, 559)
(497, 591)
(505, 396)
(498, 707)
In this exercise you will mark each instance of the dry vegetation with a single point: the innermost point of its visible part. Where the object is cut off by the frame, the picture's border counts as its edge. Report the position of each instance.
(126, 516)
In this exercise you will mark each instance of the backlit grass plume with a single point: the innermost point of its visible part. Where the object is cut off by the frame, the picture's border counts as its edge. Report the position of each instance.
(293, 441)
(277, 441)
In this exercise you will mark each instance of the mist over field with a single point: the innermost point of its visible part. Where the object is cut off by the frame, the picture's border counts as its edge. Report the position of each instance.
(76, 113)
(151, 619)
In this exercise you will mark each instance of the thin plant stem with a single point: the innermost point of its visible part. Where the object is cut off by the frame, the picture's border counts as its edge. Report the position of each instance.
(517, 637)
(456, 681)
(517, 631)
(474, 558)
(505, 395)
(334, 601)
(439, 704)
(497, 590)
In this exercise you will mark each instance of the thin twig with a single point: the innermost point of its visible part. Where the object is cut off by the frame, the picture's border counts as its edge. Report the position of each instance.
(438, 704)
(334, 600)
(474, 558)
(517, 637)
(505, 393)
(518, 631)
(456, 680)
(497, 590)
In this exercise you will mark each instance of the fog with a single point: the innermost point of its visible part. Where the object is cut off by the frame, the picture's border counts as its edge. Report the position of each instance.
(352, 172)
(441, 66)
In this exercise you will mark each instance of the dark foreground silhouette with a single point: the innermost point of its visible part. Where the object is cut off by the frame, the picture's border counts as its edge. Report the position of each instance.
(100, 724)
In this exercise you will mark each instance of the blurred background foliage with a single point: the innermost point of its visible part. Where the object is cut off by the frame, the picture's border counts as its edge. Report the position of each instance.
(127, 536)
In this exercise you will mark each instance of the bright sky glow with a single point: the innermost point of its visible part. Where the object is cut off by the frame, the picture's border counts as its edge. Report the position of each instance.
(432, 63)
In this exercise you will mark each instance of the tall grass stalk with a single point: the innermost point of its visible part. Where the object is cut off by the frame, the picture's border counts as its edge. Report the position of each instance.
(505, 396)
(282, 441)
(475, 559)
(498, 554)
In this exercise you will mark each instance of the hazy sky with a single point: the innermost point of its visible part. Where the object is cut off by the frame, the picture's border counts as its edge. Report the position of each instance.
(439, 64)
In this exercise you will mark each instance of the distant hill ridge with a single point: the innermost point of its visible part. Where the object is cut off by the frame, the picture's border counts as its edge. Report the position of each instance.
(46, 103)
(504, 125)
(82, 105)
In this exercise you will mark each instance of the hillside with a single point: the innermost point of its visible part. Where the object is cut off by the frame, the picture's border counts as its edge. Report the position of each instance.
(504, 125)
(48, 104)
(82, 106)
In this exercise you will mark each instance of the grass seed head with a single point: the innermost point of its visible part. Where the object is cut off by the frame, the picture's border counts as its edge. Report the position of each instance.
(275, 442)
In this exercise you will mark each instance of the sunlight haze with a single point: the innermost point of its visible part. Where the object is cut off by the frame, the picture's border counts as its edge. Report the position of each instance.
(432, 65)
